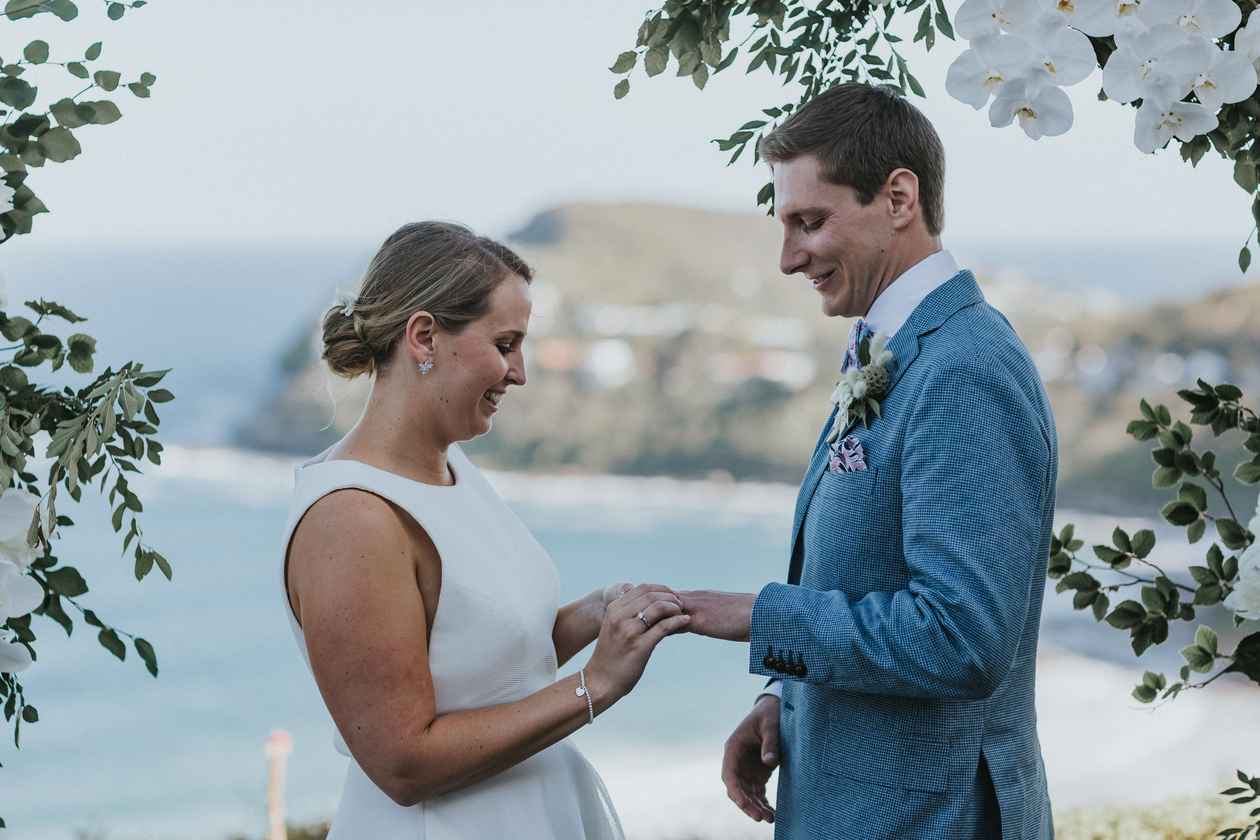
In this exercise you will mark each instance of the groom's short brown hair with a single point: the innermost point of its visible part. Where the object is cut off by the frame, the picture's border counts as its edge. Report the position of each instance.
(860, 133)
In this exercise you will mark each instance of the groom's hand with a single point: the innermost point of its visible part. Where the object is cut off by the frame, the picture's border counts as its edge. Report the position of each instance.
(752, 753)
(722, 615)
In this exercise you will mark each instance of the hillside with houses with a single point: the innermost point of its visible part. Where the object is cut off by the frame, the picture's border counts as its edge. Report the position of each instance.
(666, 341)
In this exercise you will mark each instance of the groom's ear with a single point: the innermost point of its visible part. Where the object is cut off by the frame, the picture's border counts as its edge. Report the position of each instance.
(902, 190)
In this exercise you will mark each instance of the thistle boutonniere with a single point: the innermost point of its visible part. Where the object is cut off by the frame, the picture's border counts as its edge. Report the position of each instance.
(859, 390)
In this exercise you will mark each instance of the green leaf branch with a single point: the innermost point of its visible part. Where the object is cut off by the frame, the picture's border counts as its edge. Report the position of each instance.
(814, 46)
(819, 44)
(1248, 793)
(31, 136)
(98, 435)
(1177, 464)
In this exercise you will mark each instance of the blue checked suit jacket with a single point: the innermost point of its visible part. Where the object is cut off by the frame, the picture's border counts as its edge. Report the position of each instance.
(906, 636)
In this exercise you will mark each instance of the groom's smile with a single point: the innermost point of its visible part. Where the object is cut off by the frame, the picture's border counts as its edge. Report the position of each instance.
(844, 246)
(821, 280)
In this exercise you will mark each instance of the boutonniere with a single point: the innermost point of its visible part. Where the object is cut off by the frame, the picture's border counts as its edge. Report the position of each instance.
(859, 390)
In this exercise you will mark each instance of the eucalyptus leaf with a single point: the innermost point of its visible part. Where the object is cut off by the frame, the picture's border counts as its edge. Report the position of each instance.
(625, 62)
(146, 653)
(67, 582)
(36, 52)
(17, 93)
(655, 60)
(110, 641)
(107, 80)
(60, 145)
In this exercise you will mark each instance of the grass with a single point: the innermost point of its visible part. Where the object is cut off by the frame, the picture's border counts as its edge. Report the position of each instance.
(1178, 819)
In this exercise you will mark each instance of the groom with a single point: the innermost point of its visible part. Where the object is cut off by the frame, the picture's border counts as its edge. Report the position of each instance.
(903, 647)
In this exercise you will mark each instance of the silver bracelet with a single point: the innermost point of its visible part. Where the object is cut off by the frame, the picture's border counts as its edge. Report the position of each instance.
(581, 691)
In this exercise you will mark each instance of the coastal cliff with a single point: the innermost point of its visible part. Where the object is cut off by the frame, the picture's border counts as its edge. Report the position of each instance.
(666, 341)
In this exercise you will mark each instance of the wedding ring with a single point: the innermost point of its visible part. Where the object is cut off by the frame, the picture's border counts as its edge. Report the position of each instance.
(644, 620)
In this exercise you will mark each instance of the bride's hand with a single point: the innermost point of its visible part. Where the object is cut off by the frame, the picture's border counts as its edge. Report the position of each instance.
(634, 623)
(613, 591)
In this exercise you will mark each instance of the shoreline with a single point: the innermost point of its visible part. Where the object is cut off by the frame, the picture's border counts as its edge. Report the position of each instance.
(260, 476)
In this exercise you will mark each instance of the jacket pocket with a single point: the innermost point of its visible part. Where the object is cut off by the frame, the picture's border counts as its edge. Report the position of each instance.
(904, 760)
(848, 485)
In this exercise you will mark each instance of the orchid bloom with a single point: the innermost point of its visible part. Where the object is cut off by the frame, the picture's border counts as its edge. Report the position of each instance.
(977, 20)
(20, 593)
(14, 657)
(1043, 110)
(1158, 122)
(1224, 77)
(1210, 18)
(978, 72)
(1161, 63)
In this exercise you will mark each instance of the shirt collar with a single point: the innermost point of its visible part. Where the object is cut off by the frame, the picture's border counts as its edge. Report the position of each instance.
(893, 307)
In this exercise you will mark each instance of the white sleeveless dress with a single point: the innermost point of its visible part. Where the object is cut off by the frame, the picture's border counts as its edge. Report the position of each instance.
(491, 643)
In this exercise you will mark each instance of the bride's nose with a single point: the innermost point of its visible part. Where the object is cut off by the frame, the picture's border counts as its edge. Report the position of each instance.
(516, 370)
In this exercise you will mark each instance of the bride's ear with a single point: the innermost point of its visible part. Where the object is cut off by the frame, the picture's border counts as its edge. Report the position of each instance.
(419, 337)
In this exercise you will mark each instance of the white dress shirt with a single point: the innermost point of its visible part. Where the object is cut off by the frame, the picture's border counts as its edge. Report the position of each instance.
(889, 313)
(893, 307)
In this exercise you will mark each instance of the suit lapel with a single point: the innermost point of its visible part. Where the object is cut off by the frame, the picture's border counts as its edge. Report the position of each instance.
(958, 292)
(813, 474)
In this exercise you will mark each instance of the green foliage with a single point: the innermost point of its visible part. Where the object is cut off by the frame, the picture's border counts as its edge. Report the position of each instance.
(813, 46)
(1244, 796)
(1163, 598)
(34, 133)
(819, 45)
(98, 436)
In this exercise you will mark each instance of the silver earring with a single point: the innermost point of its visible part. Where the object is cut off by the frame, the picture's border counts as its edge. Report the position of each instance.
(425, 367)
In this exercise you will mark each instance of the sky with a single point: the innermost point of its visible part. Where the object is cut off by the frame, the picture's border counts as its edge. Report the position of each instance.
(334, 122)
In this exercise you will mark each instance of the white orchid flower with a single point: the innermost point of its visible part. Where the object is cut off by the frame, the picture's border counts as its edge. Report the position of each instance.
(1225, 77)
(978, 72)
(14, 657)
(1210, 18)
(1158, 122)
(1247, 40)
(977, 20)
(1114, 17)
(20, 593)
(1043, 110)
(1065, 55)
(17, 510)
(1068, 12)
(1162, 64)
(1245, 599)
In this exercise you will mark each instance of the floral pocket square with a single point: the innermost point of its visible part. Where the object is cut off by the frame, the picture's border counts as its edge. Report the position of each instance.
(847, 456)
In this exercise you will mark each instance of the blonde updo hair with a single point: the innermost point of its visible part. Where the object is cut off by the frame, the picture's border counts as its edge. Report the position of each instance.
(438, 267)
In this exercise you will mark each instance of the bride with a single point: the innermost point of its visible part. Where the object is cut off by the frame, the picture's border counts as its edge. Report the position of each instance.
(427, 612)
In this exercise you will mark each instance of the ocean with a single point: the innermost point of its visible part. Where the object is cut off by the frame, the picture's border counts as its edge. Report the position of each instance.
(122, 756)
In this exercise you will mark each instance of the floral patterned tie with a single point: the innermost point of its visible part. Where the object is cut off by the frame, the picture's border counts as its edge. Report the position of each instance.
(858, 333)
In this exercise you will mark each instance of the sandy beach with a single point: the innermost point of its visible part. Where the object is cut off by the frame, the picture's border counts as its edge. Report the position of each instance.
(1100, 746)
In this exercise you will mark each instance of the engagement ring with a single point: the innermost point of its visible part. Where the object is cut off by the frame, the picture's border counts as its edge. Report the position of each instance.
(644, 620)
